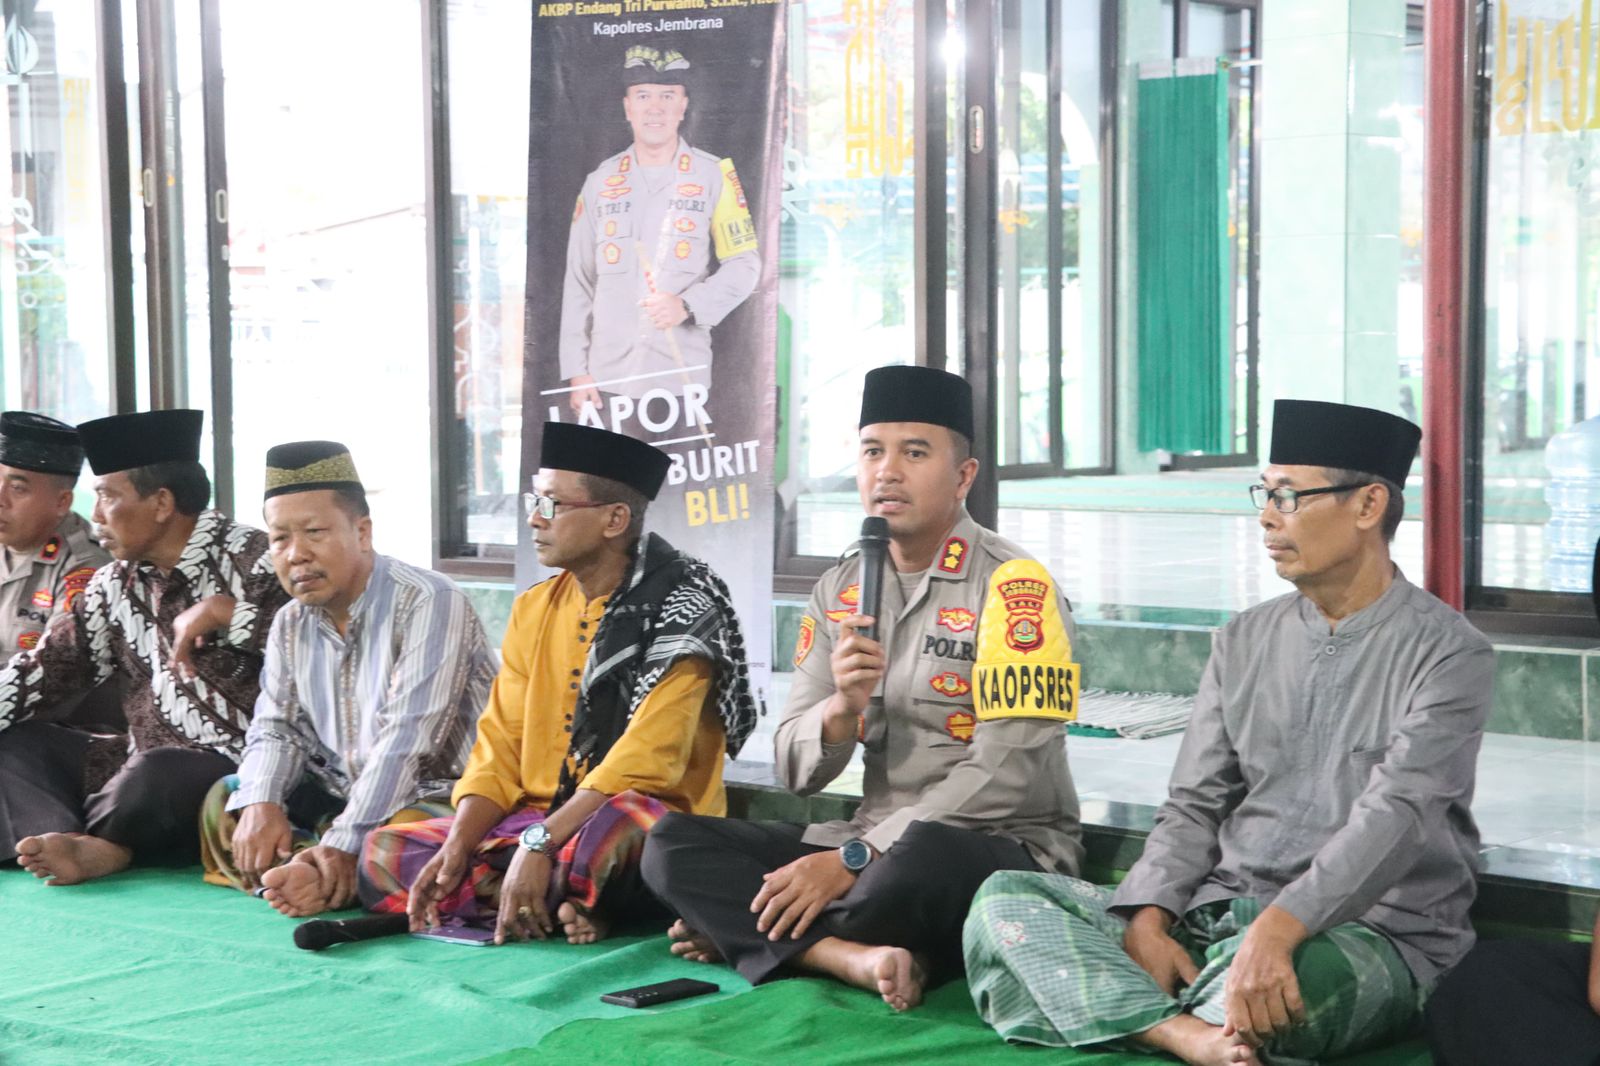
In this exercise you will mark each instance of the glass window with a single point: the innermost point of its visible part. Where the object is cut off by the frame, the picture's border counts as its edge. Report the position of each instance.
(55, 333)
(1540, 436)
(327, 248)
(486, 224)
(846, 288)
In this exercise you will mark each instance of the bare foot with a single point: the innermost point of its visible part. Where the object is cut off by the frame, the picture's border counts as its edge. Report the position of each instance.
(71, 858)
(581, 928)
(692, 945)
(1199, 1043)
(894, 973)
(294, 889)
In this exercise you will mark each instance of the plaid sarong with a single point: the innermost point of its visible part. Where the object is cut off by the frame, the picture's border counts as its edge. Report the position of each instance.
(611, 840)
(217, 824)
(1046, 966)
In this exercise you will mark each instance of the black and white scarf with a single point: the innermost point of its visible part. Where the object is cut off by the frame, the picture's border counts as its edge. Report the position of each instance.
(670, 607)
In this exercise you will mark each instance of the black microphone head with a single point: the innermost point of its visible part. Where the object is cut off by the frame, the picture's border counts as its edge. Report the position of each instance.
(313, 935)
(874, 528)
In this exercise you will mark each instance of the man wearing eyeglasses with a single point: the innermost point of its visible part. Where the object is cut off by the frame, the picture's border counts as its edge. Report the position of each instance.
(1309, 877)
(623, 683)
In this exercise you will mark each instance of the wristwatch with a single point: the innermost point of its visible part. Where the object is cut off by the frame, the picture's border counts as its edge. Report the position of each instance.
(536, 838)
(855, 855)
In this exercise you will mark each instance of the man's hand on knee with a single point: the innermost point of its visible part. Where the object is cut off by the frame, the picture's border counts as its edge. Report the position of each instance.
(522, 896)
(1148, 943)
(262, 839)
(336, 871)
(1262, 997)
(792, 896)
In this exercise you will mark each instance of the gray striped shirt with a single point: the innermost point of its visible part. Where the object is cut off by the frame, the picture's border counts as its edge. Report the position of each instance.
(383, 716)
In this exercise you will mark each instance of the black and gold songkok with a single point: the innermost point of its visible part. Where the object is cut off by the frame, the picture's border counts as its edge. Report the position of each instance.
(309, 465)
(125, 442)
(917, 394)
(587, 450)
(1343, 437)
(31, 441)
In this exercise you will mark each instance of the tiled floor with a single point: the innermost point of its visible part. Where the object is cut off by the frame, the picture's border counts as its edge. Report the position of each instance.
(1537, 804)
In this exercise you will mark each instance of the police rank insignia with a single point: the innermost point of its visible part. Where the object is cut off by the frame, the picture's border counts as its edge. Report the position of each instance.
(684, 163)
(43, 599)
(623, 163)
(51, 549)
(807, 637)
(953, 555)
(689, 188)
(29, 641)
(949, 684)
(957, 619)
(960, 725)
(612, 253)
(851, 596)
(681, 250)
(1025, 667)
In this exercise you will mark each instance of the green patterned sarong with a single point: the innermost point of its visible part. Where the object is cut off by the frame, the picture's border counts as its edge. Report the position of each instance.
(1046, 966)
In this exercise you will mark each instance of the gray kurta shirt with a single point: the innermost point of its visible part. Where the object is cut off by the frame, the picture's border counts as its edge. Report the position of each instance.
(1332, 774)
(926, 756)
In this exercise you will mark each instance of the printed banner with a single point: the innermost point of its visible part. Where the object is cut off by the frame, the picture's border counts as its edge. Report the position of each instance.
(654, 185)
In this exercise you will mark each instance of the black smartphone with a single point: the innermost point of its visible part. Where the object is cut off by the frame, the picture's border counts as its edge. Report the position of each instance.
(662, 992)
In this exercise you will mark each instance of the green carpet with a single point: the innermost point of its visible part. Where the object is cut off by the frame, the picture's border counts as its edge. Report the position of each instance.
(158, 967)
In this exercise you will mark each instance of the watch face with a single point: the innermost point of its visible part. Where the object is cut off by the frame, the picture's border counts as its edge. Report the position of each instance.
(856, 855)
(535, 836)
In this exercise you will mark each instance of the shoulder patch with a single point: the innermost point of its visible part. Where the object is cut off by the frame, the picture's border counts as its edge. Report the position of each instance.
(51, 549)
(74, 584)
(808, 637)
(1025, 667)
(953, 556)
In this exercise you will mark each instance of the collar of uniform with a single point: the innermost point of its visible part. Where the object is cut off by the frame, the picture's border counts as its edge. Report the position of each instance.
(632, 155)
(1373, 614)
(953, 561)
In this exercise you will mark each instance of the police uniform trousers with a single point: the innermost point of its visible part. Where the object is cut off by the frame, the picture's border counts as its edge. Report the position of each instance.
(151, 804)
(915, 895)
(1515, 1001)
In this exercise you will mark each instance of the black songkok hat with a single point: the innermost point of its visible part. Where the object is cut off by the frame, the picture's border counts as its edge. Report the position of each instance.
(917, 394)
(308, 465)
(645, 64)
(123, 442)
(1337, 435)
(587, 450)
(36, 442)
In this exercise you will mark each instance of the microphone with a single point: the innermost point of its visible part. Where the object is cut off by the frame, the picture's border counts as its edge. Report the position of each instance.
(321, 932)
(874, 550)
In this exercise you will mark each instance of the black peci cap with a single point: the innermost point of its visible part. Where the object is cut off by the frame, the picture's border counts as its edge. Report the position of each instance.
(31, 441)
(587, 450)
(917, 394)
(123, 442)
(1344, 437)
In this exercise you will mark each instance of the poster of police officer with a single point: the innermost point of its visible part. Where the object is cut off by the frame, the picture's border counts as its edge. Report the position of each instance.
(654, 182)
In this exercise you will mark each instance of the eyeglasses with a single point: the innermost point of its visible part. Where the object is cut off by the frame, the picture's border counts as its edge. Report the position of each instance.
(545, 506)
(1287, 501)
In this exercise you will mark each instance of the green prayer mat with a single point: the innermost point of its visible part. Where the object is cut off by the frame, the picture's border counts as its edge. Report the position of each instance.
(814, 1022)
(155, 966)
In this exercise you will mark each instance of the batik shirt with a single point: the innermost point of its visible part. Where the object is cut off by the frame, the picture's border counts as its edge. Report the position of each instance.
(382, 716)
(122, 624)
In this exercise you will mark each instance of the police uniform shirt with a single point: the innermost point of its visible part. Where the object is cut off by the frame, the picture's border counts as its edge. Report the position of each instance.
(950, 736)
(37, 587)
(692, 224)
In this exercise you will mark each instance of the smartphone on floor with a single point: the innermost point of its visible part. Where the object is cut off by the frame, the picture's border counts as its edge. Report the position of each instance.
(662, 992)
(459, 933)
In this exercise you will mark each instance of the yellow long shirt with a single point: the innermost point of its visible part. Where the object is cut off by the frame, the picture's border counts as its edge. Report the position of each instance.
(672, 749)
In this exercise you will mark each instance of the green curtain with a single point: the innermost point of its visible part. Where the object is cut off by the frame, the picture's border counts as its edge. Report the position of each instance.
(1183, 265)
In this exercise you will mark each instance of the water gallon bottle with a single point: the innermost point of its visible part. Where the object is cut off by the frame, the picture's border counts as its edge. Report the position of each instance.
(1573, 493)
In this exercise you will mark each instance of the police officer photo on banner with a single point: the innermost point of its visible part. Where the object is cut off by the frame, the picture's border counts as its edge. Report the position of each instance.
(654, 185)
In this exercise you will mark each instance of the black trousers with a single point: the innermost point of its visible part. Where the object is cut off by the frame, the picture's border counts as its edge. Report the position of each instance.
(151, 805)
(914, 896)
(1515, 1001)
